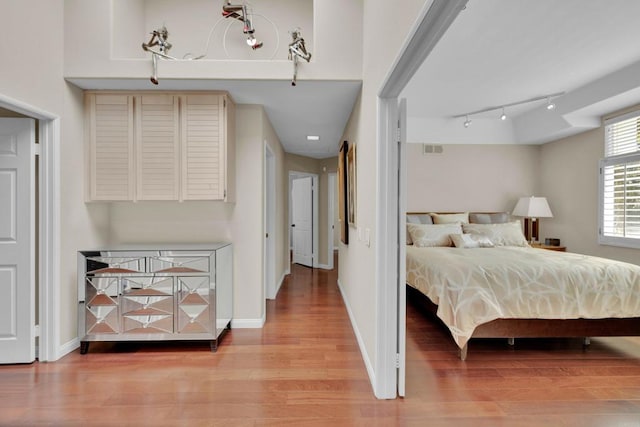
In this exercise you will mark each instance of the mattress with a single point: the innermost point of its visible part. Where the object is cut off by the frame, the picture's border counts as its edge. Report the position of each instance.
(475, 286)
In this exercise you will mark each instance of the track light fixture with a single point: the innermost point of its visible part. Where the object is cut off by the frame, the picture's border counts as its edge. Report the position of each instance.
(240, 12)
(550, 106)
(297, 49)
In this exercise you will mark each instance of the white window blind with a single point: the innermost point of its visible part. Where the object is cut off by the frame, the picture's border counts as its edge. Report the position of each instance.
(620, 182)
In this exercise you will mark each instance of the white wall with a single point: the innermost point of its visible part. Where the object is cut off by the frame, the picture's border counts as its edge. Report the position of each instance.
(240, 223)
(336, 40)
(480, 178)
(32, 73)
(569, 179)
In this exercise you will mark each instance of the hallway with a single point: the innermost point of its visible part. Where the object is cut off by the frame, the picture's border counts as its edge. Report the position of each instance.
(304, 368)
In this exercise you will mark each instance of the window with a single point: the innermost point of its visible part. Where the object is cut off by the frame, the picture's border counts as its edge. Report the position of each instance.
(620, 182)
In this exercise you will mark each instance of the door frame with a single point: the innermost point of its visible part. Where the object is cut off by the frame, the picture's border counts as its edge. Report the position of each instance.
(270, 288)
(331, 207)
(432, 22)
(314, 217)
(48, 227)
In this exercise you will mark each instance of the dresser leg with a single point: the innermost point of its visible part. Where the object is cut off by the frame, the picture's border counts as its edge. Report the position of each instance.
(84, 347)
(214, 345)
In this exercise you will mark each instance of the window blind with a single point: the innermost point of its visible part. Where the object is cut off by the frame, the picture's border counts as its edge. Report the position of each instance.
(620, 182)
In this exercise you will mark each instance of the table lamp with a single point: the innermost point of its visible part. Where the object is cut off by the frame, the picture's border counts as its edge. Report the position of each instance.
(532, 208)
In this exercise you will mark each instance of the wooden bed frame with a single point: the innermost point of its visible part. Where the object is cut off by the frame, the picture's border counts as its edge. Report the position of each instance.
(537, 328)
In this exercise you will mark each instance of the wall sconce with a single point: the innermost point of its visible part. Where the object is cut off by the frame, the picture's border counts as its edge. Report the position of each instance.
(297, 49)
(532, 208)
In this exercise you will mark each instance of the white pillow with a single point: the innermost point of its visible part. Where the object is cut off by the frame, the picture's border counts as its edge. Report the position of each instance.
(506, 234)
(430, 235)
(450, 218)
(471, 241)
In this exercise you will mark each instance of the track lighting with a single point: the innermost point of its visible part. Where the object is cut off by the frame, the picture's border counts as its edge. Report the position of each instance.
(297, 49)
(240, 12)
(550, 106)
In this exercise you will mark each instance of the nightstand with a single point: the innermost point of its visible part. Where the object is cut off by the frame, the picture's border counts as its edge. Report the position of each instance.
(549, 247)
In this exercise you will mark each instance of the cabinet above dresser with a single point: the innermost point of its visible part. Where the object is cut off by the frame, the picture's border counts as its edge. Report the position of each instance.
(159, 146)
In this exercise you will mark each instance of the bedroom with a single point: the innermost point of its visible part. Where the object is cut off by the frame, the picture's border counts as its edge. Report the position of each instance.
(557, 151)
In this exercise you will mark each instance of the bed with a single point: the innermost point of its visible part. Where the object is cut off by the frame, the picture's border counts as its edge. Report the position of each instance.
(511, 290)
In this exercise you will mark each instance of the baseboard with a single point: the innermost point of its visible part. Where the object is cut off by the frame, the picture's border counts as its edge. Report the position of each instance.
(247, 323)
(324, 267)
(67, 348)
(335, 248)
(284, 275)
(356, 331)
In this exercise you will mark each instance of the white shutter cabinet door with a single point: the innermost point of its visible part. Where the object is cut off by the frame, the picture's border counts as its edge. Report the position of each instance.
(157, 147)
(203, 147)
(111, 153)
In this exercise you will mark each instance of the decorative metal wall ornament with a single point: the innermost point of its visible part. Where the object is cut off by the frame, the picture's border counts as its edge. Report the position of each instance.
(241, 13)
(297, 49)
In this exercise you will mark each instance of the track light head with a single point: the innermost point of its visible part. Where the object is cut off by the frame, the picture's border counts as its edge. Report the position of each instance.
(467, 122)
(503, 117)
(550, 105)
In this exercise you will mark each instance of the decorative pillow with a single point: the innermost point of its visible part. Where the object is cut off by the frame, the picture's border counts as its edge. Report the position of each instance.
(417, 219)
(507, 234)
(489, 218)
(471, 241)
(462, 218)
(430, 235)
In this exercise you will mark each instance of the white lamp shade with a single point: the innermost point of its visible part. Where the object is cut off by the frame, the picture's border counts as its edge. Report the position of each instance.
(533, 207)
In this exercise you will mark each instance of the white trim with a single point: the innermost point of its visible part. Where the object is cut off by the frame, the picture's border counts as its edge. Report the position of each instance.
(248, 323)
(49, 227)
(68, 347)
(269, 212)
(433, 21)
(325, 266)
(356, 331)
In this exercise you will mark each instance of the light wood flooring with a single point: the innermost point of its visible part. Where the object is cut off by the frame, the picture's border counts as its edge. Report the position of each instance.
(305, 369)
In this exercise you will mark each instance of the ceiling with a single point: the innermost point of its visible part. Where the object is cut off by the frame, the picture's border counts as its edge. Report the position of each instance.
(320, 108)
(498, 52)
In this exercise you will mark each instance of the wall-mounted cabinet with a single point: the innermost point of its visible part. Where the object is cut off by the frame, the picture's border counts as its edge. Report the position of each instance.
(160, 146)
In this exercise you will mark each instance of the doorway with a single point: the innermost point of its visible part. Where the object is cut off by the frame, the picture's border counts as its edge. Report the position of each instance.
(46, 226)
(303, 218)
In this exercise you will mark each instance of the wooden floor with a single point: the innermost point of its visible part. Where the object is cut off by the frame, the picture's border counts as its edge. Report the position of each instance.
(304, 369)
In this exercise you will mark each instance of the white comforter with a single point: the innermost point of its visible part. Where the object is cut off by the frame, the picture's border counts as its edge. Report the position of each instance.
(475, 286)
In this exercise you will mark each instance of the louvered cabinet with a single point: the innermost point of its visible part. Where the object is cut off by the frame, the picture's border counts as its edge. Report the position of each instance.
(155, 294)
(160, 146)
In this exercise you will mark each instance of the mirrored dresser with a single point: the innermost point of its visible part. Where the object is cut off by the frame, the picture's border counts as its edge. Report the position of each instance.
(177, 292)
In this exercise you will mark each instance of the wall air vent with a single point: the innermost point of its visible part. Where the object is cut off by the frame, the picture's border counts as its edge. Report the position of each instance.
(432, 149)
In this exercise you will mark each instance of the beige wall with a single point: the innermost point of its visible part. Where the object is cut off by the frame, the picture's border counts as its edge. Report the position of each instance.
(487, 178)
(320, 167)
(384, 31)
(569, 179)
(241, 223)
(33, 75)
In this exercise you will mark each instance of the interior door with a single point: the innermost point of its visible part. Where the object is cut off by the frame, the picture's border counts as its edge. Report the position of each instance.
(402, 251)
(302, 220)
(17, 234)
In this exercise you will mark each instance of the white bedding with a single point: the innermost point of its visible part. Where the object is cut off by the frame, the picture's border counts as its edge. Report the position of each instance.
(476, 286)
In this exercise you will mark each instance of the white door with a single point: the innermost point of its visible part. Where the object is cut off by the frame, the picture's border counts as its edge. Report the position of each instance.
(302, 220)
(17, 233)
(402, 252)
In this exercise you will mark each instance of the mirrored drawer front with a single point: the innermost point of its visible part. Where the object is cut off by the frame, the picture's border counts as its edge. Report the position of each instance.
(194, 307)
(115, 265)
(178, 264)
(101, 290)
(102, 319)
(147, 285)
(147, 314)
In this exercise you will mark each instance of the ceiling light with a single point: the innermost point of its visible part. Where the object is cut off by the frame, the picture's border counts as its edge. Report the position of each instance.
(550, 105)
(313, 138)
(503, 117)
(467, 122)
(251, 41)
